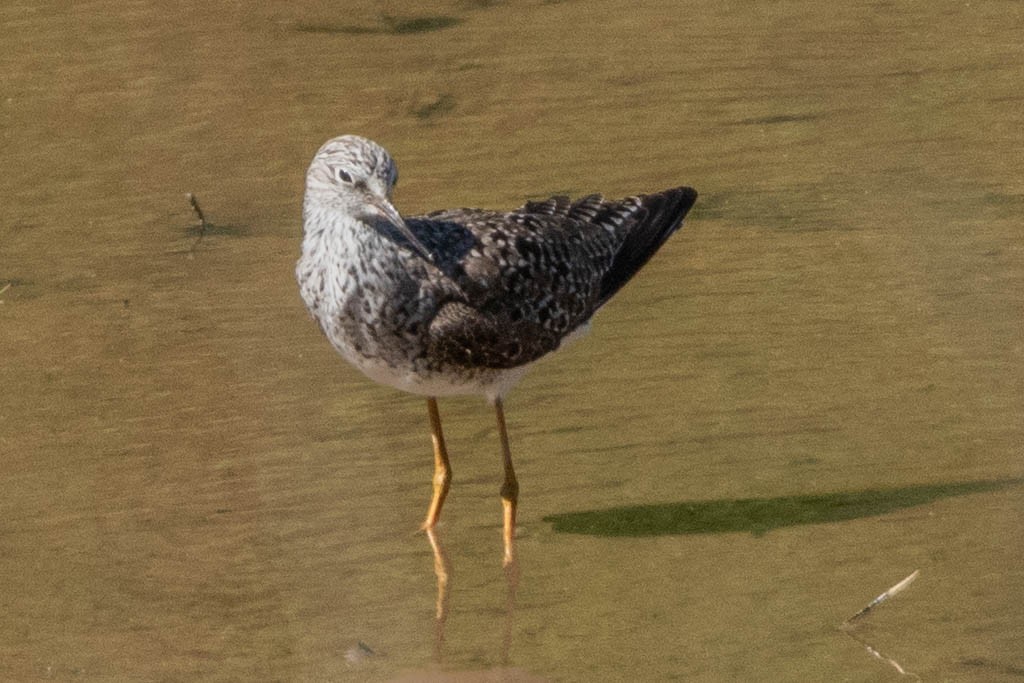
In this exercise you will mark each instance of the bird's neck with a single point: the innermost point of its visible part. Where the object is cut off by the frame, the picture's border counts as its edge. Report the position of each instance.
(327, 268)
(334, 238)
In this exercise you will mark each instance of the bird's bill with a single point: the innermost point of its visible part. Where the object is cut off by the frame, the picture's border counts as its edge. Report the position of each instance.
(382, 208)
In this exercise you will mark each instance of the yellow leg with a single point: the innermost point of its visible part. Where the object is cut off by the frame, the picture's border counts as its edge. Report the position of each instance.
(442, 468)
(509, 489)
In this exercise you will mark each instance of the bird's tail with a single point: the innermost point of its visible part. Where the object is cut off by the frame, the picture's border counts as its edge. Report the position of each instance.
(661, 215)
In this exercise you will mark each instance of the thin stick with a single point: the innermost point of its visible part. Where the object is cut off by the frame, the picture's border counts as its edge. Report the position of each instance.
(5, 288)
(847, 626)
(203, 224)
(892, 592)
(198, 212)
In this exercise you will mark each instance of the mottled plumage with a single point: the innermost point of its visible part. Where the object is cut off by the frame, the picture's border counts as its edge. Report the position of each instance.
(498, 290)
(462, 300)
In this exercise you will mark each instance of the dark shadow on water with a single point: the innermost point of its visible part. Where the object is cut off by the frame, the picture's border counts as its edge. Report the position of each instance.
(389, 25)
(214, 229)
(442, 104)
(777, 118)
(759, 515)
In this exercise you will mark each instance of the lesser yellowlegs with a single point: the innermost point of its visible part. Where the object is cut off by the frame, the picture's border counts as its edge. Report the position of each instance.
(462, 301)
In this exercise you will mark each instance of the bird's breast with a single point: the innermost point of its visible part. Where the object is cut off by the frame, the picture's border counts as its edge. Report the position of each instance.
(368, 303)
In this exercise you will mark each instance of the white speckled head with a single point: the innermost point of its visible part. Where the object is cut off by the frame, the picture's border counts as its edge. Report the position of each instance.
(353, 177)
(350, 162)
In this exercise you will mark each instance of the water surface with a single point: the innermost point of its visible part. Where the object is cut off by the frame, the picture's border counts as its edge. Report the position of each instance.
(815, 389)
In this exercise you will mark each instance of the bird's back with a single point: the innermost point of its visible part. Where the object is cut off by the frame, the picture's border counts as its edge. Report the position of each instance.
(526, 279)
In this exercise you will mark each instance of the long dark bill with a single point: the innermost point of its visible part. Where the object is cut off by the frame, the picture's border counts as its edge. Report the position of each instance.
(391, 215)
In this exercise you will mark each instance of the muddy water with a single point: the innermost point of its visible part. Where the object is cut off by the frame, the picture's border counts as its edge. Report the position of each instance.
(813, 391)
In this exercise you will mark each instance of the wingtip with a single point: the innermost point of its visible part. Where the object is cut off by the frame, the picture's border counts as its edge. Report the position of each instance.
(690, 193)
(687, 197)
(676, 201)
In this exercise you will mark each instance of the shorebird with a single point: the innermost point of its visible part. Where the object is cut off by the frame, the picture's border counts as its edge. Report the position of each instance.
(462, 301)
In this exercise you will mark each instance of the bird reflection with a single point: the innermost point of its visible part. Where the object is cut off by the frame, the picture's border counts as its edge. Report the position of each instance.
(443, 574)
(511, 569)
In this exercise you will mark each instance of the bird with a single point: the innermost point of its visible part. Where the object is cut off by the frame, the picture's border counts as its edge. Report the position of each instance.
(462, 301)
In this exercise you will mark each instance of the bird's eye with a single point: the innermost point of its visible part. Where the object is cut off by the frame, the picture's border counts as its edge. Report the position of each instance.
(342, 175)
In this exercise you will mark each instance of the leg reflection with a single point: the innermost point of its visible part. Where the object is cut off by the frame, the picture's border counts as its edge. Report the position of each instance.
(443, 572)
(512, 581)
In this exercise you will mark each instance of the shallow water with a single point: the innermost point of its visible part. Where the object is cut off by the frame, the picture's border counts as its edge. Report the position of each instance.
(815, 389)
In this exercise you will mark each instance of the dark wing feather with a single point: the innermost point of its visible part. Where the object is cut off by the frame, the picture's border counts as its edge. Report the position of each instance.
(515, 284)
(662, 215)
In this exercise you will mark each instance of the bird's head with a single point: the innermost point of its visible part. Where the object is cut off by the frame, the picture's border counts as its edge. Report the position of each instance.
(355, 176)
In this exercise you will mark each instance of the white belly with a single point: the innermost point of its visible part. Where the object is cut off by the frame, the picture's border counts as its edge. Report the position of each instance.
(492, 384)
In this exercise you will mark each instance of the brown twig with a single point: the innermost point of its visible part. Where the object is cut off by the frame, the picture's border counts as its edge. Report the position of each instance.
(203, 224)
(847, 626)
(198, 212)
(892, 592)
